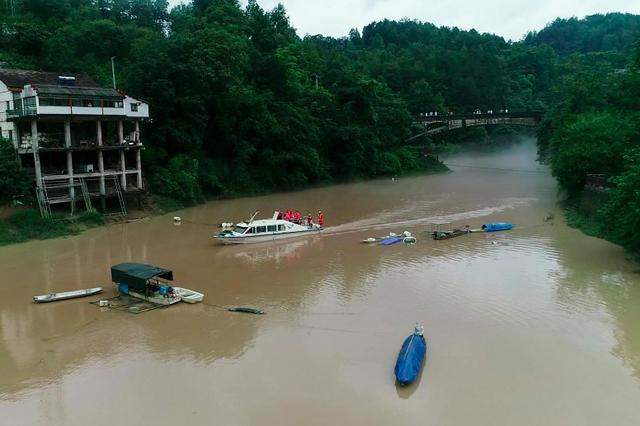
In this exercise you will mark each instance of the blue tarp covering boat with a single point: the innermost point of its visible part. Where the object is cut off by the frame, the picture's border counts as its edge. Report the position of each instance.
(391, 240)
(499, 226)
(411, 357)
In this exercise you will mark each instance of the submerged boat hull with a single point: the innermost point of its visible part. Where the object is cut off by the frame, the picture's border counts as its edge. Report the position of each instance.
(410, 359)
(52, 297)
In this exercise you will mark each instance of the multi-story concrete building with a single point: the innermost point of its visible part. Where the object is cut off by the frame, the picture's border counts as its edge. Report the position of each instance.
(69, 129)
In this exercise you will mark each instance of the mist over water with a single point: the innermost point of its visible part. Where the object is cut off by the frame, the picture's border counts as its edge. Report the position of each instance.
(540, 325)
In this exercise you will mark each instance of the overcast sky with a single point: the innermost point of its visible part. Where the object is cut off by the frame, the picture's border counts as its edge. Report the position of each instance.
(511, 19)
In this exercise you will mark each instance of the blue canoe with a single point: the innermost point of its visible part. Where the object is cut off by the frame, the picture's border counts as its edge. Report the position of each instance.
(391, 240)
(499, 226)
(411, 357)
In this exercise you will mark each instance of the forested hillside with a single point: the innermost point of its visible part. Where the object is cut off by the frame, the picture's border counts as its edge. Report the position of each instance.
(595, 33)
(241, 103)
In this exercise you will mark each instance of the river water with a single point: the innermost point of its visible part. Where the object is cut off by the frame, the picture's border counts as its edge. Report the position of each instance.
(540, 325)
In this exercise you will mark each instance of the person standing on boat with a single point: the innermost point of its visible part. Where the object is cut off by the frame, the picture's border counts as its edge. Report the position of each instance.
(287, 216)
(309, 220)
(320, 218)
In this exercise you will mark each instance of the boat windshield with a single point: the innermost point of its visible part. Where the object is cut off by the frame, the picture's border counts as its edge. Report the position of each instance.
(240, 229)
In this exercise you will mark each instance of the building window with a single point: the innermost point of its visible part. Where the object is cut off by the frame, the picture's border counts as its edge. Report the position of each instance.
(134, 107)
(11, 135)
(8, 105)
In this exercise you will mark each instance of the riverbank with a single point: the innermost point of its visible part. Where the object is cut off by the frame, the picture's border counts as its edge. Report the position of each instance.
(28, 224)
(25, 224)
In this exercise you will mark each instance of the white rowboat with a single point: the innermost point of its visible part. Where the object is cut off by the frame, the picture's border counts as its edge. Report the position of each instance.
(188, 296)
(52, 297)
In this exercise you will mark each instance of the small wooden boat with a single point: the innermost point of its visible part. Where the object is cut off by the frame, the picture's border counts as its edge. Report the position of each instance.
(411, 357)
(52, 297)
(188, 296)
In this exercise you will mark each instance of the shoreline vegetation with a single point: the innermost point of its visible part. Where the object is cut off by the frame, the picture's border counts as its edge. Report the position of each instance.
(243, 105)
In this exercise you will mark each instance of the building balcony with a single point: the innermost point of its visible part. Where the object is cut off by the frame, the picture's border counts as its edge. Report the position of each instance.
(22, 112)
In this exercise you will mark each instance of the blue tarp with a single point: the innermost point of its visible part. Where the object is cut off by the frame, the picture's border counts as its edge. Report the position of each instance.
(410, 359)
(391, 240)
(500, 226)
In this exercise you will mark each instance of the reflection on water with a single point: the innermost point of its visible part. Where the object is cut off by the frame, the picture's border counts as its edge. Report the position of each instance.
(538, 325)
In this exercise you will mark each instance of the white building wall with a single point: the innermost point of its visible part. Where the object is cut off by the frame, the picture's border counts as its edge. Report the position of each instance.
(142, 108)
(6, 127)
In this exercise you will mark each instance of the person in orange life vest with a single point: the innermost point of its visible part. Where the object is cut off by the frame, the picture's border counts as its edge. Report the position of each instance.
(297, 217)
(279, 215)
(287, 216)
(320, 218)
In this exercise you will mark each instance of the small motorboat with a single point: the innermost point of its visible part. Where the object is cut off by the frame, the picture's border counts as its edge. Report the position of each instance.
(188, 296)
(497, 226)
(411, 357)
(52, 297)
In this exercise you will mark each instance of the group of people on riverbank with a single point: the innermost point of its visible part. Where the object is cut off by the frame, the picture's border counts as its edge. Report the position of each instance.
(295, 216)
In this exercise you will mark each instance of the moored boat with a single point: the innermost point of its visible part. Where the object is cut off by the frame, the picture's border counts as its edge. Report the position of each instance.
(411, 357)
(145, 282)
(264, 230)
(52, 297)
(188, 295)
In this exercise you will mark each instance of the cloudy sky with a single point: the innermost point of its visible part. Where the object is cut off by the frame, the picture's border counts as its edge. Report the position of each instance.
(511, 19)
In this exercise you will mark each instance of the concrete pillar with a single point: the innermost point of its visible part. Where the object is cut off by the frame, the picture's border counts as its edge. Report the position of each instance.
(120, 132)
(16, 135)
(67, 144)
(139, 167)
(122, 161)
(123, 168)
(138, 140)
(103, 189)
(36, 154)
(99, 132)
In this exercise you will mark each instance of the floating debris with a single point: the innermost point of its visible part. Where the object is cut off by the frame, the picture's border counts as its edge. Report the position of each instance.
(246, 310)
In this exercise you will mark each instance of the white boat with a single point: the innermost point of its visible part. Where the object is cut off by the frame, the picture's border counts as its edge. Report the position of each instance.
(52, 297)
(188, 296)
(264, 230)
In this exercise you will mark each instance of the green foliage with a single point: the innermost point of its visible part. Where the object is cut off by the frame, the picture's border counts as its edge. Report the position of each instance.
(14, 180)
(26, 225)
(592, 142)
(596, 33)
(620, 215)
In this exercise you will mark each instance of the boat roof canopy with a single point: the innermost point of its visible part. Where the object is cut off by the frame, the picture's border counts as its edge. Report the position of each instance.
(137, 274)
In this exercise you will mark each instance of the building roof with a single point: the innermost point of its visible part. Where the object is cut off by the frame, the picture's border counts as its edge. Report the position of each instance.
(137, 274)
(75, 91)
(17, 79)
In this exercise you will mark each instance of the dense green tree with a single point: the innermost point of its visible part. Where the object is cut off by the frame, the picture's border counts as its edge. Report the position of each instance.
(14, 180)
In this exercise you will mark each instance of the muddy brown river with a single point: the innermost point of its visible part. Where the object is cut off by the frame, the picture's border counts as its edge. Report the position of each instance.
(537, 326)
